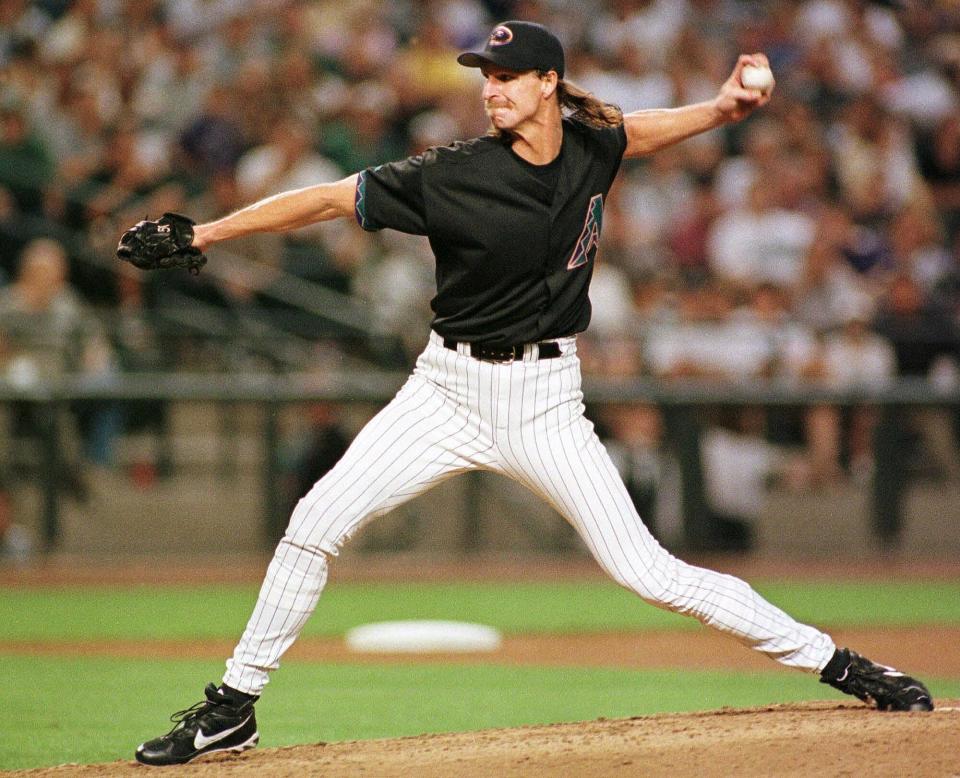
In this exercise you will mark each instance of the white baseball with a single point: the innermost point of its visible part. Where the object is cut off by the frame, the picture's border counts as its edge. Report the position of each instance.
(756, 77)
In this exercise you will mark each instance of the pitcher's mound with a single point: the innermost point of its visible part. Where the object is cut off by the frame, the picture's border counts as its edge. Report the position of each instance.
(819, 738)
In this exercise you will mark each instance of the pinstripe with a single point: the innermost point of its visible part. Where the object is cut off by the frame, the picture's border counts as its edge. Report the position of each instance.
(506, 445)
(279, 581)
(379, 427)
(522, 468)
(525, 420)
(351, 477)
(569, 473)
(621, 508)
(721, 601)
(562, 505)
(284, 617)
(554, 473)
(681, 571)
(430, 431)
(256, 632)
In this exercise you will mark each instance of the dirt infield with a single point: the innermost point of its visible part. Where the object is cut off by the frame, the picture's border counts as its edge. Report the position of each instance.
(932, 651)
(68, 570)
(813, 739)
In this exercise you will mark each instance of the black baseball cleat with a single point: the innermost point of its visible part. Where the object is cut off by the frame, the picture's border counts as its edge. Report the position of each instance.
(224, 721)
(882, 686)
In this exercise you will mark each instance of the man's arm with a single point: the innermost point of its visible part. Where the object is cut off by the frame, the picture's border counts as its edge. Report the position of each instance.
(650, 131)
(281, 212)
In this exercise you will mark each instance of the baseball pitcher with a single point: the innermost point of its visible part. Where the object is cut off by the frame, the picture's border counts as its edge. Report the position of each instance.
(513, 219)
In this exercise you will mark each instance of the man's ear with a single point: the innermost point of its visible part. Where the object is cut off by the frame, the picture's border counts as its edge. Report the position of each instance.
(548, 83)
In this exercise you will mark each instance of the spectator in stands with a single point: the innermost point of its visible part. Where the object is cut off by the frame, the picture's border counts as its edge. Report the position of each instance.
(47, 332)
(135, 162)
(688, 232)
(653, 26)
(313, 452)
(222, 195)
(424, 74)
(924, 336)
(21, 24)
(286, 161)
(828, 289)
(77, 134)
(397, 280)
(739, 466)
(938, 151)
(735, 174)
(139, 350)
(26, 167)
(647, 200)
(631, 79)
(854, 358)
(213, 141)
(634, 436)
(919, 328)
(612, 347)
(918, 250)
(873, 161)
(10, 236)
(109, 109)
(365, 132)
(761, 241)
(65, 40)
(172, 86)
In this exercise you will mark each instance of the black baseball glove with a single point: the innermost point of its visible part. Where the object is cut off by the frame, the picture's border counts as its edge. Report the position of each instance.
(162, 243)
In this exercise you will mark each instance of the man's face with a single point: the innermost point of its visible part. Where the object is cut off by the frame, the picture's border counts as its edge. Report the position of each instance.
(511, 97)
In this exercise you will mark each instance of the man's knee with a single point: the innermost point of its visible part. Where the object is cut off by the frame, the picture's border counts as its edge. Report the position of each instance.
(657, 584)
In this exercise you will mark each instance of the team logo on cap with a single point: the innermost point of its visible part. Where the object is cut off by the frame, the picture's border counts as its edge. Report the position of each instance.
(500, 36)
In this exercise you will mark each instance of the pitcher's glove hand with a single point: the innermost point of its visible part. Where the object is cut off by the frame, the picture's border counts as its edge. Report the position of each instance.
(162, 243)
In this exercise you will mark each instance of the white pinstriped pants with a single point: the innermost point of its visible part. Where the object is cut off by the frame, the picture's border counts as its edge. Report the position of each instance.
(524, 420)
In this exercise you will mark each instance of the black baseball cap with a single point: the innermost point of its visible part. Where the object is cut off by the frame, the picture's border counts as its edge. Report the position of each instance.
(519, 46)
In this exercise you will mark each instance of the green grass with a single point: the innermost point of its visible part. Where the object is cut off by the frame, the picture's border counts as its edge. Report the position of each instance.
(221, 611)
(86, 710)
(81, 709)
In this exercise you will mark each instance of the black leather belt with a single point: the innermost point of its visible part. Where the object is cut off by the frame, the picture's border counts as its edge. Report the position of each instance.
(488, 353)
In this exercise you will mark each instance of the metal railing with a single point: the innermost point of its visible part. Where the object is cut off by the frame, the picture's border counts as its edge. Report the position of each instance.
(683, 405)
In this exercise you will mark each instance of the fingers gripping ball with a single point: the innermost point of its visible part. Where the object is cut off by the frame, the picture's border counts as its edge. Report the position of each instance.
(162, 243)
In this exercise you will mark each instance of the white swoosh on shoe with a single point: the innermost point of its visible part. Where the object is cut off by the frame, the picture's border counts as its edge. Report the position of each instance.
(201, 741)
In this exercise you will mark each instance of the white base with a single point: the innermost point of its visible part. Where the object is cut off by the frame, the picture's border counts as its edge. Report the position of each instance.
(422, 637)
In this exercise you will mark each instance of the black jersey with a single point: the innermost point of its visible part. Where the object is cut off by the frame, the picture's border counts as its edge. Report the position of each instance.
(514, 250)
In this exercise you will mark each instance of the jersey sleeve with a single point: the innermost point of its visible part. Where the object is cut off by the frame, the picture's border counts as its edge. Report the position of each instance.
(613, 144)
(391, 196)
(606, 147)
(614, 140)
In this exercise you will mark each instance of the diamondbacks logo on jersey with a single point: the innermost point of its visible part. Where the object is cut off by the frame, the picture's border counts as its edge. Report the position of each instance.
(586, 248)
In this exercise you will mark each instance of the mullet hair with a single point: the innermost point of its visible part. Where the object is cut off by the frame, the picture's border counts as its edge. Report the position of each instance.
(580, 105)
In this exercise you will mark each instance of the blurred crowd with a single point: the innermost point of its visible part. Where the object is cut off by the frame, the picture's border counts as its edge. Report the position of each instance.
(819, 241)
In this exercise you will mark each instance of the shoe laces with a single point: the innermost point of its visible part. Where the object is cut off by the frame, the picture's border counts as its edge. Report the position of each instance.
(185, 716)
(195, 711)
